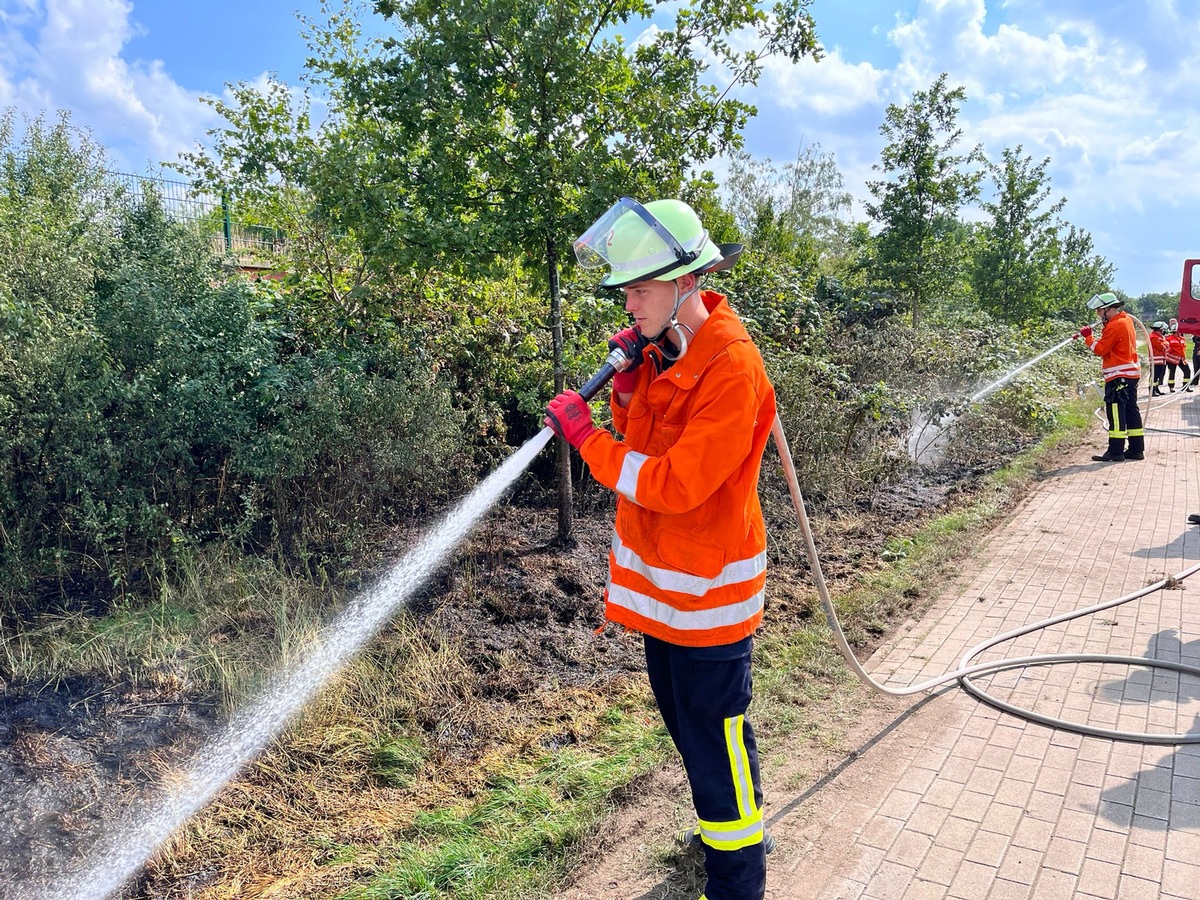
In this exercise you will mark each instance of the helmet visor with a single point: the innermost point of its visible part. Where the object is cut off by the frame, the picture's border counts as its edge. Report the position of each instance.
(1100, 301)
(631, 241)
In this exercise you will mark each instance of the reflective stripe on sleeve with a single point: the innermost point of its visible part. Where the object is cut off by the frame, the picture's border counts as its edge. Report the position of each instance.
(683, 583)
(684, 620)
(628, 479)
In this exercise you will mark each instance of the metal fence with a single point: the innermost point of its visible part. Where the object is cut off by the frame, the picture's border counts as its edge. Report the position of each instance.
(211, 213)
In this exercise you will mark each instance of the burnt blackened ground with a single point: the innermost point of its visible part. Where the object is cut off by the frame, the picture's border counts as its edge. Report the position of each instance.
(525, 612)
(70, 754)
(519, 607)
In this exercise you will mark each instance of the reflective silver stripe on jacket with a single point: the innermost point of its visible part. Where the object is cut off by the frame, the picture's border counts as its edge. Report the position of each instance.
(627, 482)
(682, 620)
(683, 583)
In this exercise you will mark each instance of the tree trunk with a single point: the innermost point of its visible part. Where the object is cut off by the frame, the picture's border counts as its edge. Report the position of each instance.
(566, 511)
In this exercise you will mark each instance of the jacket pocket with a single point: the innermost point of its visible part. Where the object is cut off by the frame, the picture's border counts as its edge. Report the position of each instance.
(684, 552)
(664, 437)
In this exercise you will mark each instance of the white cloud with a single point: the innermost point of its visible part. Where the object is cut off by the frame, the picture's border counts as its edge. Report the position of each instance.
(646, 38)
(830, 87)
(67, 54)
(1114, 127)
(1107, 94)
(1167, 147)
(950, 36)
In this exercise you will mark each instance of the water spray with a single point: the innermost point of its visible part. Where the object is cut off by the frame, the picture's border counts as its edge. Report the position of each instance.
(917, 449)
(946, 420)
(150, 823)
(1001, 382)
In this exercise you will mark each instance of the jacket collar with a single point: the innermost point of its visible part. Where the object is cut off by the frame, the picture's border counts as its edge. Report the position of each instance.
(720, 329)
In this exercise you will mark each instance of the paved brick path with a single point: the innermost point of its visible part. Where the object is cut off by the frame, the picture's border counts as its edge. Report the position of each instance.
(959, 800)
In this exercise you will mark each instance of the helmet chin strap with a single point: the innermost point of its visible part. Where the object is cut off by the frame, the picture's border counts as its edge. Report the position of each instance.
(681, 331)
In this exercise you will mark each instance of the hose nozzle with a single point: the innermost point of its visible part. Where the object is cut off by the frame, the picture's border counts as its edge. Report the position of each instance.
(616, 362)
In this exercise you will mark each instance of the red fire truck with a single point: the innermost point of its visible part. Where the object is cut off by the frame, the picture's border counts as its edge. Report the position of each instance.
(1189, 298)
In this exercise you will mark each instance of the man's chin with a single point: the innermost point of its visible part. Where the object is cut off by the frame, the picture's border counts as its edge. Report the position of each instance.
(652, 331)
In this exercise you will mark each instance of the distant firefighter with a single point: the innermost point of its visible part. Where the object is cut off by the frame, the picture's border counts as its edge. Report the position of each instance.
(1117, 349)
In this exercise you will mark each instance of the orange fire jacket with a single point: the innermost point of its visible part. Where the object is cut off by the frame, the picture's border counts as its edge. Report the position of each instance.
(1158, 347)
(688, 558)
(1117, 348)
(1175, 348)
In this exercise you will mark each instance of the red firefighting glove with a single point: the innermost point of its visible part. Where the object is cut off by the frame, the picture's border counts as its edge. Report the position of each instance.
(631, 342)
(569, 416)
(1086, 332)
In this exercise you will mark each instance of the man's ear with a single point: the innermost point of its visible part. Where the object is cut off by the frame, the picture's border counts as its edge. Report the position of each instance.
(686, 282)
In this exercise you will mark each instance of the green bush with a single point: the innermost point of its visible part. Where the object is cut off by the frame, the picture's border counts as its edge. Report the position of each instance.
(152, 401)
(55, 223)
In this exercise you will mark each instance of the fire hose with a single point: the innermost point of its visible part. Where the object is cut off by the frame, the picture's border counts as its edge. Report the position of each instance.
(967, 671)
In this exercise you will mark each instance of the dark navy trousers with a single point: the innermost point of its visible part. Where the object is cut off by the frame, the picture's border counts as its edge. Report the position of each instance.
(703, 693)
(1124, 417)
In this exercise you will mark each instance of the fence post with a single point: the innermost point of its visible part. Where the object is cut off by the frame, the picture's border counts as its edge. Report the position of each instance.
(228, 224)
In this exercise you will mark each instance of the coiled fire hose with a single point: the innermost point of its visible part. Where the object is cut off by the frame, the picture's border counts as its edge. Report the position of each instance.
(968, 671)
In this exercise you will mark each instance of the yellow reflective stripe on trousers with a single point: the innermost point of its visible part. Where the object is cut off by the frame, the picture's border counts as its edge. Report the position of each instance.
(1116, 431)
(739, 766)
(747, 830)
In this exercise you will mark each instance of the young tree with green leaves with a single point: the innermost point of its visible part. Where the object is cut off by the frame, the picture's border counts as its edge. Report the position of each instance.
(806, 201)
(1015, 248)
(918, 248)
(275, 167)
(1077, 272)
(509, 125)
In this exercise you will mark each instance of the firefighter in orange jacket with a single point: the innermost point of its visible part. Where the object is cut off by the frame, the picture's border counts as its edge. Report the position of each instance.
(1177, 357)
(1158, 357)
(1117, 349)
(687, 566)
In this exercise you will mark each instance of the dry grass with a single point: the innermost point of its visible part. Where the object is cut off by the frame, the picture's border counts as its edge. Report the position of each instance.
(401, 733)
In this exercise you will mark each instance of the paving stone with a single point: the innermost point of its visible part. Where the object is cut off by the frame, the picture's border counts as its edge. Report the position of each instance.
(963, 801)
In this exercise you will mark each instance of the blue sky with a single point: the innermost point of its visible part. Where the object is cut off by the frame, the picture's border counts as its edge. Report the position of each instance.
(1109, 90)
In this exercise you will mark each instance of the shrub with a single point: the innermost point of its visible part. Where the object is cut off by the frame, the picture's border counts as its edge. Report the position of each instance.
(156, 401)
